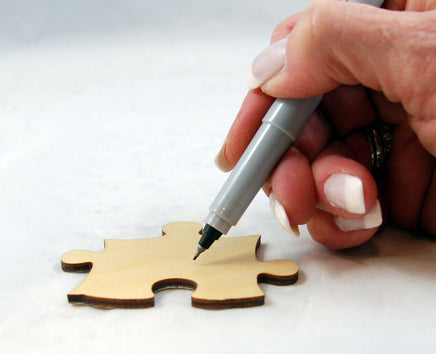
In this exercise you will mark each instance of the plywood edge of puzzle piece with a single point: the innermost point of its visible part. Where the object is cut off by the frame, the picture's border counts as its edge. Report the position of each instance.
(227, 251)
(241, 258)
(97, 291)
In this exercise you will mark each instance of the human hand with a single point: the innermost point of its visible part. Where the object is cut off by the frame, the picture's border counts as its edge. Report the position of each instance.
(374, 64)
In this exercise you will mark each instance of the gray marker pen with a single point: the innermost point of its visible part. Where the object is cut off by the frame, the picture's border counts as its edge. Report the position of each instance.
(280, 128)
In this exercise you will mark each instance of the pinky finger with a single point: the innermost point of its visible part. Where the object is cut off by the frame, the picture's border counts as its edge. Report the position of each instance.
(338, 232)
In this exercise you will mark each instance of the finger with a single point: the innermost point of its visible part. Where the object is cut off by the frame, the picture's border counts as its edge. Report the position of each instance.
(390, 112)
(357, 143)
(395, 4)
(394, 114)
(285, 27)
(248, 119)
(348, 108)
(410, 171)
(292, 186)
(321, 52)
(245, 126)
(323, 227)
(410, 167)
(349, 213)
(315, 136)
(428, 220)
(344, 187)
(312, 139)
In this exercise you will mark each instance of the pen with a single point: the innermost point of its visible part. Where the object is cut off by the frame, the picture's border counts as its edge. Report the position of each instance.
(280, 128)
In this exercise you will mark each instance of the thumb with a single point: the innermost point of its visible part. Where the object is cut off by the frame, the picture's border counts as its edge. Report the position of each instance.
(332, 43)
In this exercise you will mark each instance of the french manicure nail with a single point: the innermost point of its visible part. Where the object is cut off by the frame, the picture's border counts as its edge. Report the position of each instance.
(268, 63)
(220, 160)
(346, 192)
(372, 219)
(280, 214)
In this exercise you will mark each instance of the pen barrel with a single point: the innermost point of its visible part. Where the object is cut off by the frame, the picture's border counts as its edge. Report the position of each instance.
(377, 3)
(280, 127)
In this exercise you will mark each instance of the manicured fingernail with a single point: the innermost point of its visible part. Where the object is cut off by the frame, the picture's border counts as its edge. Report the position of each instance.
(280, 214)
(268, 63)
(372, 219)
(220, 160)
(346, 192)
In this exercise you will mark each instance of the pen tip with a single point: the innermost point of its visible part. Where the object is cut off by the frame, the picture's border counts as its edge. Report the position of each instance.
(200, 250)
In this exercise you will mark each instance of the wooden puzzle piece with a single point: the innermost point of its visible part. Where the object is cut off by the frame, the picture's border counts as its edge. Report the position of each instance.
(128, 272)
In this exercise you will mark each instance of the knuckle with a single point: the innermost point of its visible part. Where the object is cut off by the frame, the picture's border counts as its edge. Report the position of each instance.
(281, 30)
(319, 20)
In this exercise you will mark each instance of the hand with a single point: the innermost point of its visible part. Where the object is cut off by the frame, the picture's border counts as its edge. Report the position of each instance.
(373, 64)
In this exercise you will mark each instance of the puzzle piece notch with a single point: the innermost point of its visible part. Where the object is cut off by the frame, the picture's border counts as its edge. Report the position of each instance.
(128, 272)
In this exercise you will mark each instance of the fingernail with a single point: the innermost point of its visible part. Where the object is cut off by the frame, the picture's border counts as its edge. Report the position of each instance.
(372, 219)
(280, 214)
(268, 63)
(220, 160)
(346, 192)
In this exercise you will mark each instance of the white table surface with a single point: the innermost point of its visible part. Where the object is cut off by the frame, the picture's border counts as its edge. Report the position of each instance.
(111, 114)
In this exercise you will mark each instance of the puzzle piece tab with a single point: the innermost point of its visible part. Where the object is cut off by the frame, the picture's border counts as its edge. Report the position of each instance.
(128, 272)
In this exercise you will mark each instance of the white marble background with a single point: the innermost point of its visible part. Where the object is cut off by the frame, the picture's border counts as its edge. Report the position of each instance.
(111, 113)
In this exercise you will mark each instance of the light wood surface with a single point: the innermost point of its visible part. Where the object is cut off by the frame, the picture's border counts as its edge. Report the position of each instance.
(128, 272)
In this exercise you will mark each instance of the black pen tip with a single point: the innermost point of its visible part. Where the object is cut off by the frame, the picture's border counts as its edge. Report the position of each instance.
(200, 250)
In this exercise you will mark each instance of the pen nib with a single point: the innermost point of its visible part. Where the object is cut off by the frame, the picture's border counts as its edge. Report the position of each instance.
(200, 250)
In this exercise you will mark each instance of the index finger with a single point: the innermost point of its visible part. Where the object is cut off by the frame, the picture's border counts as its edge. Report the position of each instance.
(312, 139)
(243, 129)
